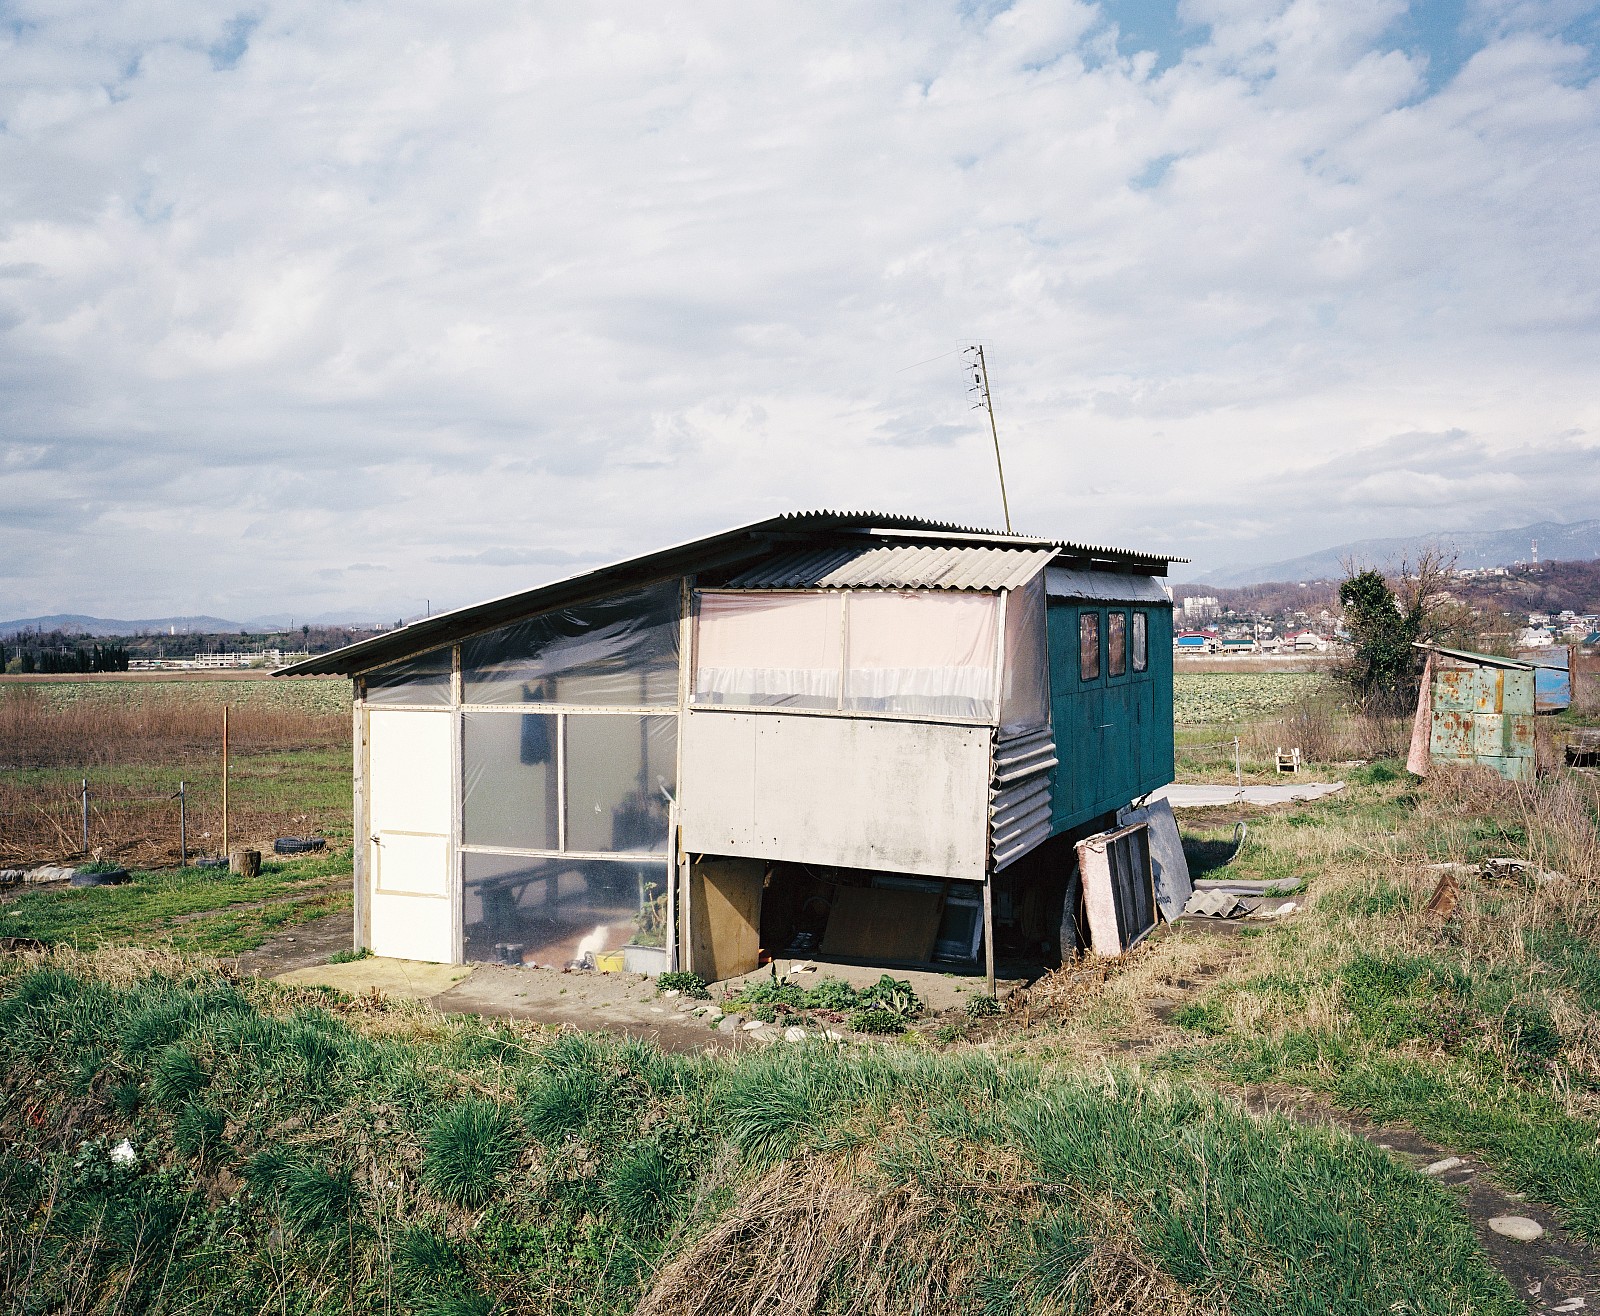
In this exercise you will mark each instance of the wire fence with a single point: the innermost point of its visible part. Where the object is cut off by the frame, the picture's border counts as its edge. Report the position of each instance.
(61, 822)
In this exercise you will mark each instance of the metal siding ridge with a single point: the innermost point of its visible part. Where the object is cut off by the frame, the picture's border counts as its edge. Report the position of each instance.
(1028, 841)
(1005, 803)
(898, 566)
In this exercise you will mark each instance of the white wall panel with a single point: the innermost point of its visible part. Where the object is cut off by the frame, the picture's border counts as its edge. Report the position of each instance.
(408, 771)
(901, 797)
(412, 928)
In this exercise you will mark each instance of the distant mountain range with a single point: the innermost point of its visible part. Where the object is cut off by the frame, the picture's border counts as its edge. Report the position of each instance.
(1558, 541)
(77, 624)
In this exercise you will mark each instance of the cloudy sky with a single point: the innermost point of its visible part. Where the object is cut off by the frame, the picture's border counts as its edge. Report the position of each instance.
(328, 307)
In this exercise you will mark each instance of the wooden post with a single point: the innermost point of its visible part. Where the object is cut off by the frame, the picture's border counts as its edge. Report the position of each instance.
(183, 824)
(360, 836)
(988, 928)
(85, 815)
(225, 779)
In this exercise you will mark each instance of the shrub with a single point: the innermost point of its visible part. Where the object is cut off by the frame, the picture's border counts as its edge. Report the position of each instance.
(641, 1184)
(126, 1097)
(315, 1199)
(690, 984)
(832, 994)
(877, 1020)
(982, 1007)
(177, 1076)
(198, 1131)
(1201, 1017)
(1531, 1033)
(893, 995)
(470, 1148)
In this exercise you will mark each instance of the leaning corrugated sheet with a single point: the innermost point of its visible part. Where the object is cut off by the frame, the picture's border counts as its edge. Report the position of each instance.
(897, 567)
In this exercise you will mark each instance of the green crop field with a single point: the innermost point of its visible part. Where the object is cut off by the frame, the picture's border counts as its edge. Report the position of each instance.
(1222, 697)
(313, 695)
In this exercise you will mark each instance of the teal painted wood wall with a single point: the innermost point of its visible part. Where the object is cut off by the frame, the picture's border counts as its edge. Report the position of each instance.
(1113, 734)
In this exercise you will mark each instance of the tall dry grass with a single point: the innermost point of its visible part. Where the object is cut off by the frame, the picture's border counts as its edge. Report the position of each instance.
(35, 733)
(1326, 732)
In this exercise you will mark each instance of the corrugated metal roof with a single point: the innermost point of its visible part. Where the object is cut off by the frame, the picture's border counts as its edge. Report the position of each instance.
(1480, 659)
(731, 550)
(897, 566)
(1104, 586)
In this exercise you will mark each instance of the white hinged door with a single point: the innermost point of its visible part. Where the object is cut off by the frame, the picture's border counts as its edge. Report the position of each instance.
(409, 766)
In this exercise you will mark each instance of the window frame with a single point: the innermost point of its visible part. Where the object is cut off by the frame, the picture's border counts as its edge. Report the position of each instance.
(1091, 617)
(1113, 671)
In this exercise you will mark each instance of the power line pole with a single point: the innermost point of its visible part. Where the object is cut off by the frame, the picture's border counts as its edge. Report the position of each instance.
(980, 386)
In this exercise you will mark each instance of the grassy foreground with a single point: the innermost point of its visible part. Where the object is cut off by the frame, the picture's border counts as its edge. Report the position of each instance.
(298, 1152)
(1476, 1023)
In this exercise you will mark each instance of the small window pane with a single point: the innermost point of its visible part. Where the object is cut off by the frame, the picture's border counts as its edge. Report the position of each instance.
(1089, 645)
(509, 780)
(1141, 642)
(557, 912)
(621, 769)
(424, 680)
(1116, 644)
(617, 651)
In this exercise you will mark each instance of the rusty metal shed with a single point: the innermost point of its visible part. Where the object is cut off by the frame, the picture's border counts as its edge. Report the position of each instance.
(1475, 708)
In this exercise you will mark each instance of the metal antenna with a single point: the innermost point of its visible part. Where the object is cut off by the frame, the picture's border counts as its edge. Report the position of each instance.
(980, 386)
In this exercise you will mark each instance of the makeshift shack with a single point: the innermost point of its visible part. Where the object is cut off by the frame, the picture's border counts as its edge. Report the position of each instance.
(866, 737)
(1474, 708)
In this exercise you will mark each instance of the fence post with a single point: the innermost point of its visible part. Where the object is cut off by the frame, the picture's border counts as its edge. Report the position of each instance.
(1238, 771)
(183, 825)
(85, 815)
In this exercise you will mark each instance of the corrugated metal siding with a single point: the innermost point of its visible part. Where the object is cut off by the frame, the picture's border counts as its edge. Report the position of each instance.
(897, 567)
(1020, 796)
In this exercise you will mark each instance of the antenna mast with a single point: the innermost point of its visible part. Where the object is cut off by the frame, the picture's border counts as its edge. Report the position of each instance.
(980, 386)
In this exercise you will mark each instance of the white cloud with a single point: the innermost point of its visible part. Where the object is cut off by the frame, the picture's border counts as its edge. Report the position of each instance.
(474, 294)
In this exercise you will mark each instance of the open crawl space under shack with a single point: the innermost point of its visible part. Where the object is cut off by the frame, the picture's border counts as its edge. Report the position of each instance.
(851, 736)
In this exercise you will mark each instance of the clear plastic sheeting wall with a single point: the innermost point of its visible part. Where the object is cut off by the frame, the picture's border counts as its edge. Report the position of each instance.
(511, 780)
(557, 911)
(927, 653)
(1025, 695)
(585, 782)
(757, 650)
(424, 680)
(616, 652)
(915, 653)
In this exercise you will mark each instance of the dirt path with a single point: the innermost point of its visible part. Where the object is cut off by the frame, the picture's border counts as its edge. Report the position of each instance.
(1553, 1273)
(301, 946)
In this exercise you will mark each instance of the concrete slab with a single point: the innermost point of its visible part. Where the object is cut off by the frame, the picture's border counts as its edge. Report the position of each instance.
(599, 1002)
(1183, 796)
(406, 978)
